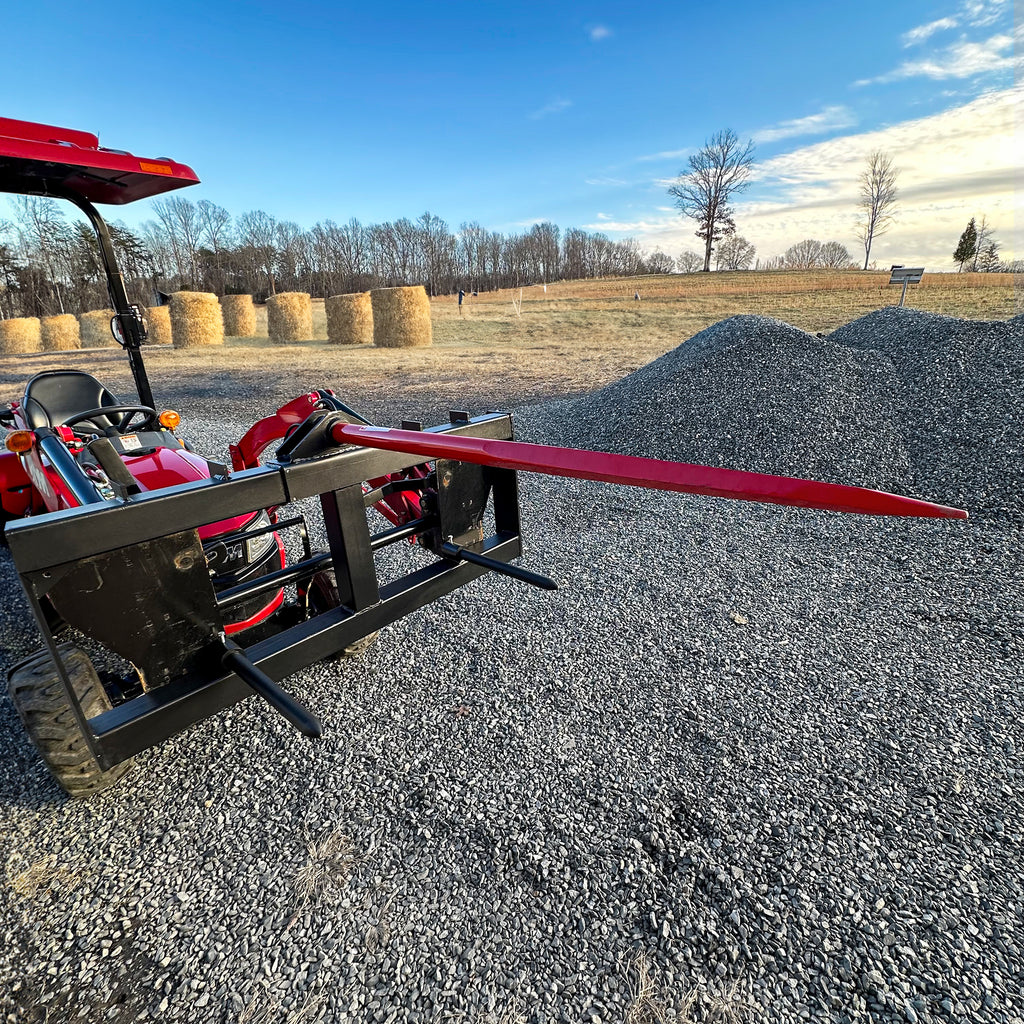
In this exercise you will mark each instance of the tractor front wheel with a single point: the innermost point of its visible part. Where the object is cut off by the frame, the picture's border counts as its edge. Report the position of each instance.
(322, 595)
(37, 692)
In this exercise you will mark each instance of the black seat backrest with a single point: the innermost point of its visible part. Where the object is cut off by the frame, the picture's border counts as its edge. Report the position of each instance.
(54, 396)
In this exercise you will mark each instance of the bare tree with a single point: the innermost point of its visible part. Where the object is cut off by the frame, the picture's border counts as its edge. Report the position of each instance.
(985, 233)
(835, 256)
(877, 201)
(659, 262)
(734, 253)
(688, 262)
(717, 171)
(805, 255)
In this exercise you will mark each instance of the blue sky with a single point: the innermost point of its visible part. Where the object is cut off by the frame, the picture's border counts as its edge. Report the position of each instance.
(507, 114)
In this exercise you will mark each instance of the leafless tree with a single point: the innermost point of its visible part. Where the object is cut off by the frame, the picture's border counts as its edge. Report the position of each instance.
(716, 172)
(182, 224)
(659, 262)
(835, 256)
(734, 253)
(805, 255)
(257, 233)
(45, 239)
(985, 233)
(688, 262)
(877, 201)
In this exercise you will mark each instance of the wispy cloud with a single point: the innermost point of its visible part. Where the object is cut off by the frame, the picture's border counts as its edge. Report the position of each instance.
(668, 154)
(606, 182)
(984, 12)
(961, 60)
(828, 120)
(554, 107)
(598, 32)
(923, 32)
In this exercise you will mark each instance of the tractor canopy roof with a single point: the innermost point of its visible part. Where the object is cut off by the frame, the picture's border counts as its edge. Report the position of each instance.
(39, 159)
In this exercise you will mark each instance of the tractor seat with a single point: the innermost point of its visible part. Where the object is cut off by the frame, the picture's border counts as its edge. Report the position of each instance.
(54, 396)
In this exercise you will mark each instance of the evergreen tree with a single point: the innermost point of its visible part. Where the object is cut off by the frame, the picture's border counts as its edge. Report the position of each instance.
(967, 246)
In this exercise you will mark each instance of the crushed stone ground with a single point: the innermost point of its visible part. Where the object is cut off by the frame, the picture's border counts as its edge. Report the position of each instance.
(776, 754)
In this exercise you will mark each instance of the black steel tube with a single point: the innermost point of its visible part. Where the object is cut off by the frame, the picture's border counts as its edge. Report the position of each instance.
(234, 660)
(273, 580)
(382, 540)
(247, 534)
(65, 466)
(516, 572)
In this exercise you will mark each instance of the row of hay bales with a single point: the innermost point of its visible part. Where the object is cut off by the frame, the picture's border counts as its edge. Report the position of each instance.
(385, 317)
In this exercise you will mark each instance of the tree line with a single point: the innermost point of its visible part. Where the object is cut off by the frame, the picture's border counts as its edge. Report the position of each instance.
(49, 264)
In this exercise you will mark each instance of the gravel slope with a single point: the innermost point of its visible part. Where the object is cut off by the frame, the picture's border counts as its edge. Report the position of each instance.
(777, 752)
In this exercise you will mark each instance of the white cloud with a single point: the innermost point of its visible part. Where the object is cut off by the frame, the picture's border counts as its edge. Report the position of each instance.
(828, 120)
(984, 12)
(923, 32)
(961, 60)
(668, 154)
(952, 166)
(554, 107)
(606, 182)
(599, 32)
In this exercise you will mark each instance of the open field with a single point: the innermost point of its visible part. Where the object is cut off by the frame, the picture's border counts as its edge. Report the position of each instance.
(573, 338)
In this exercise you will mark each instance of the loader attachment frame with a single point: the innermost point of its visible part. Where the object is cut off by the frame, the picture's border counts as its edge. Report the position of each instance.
(130, 574)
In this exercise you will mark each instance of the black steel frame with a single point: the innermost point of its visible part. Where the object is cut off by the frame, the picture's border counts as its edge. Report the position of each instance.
(111, 533)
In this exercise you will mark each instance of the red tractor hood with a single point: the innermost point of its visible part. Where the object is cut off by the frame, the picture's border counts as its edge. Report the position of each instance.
(166, 467)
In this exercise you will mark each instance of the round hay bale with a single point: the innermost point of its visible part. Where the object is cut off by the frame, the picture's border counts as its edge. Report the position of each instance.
(239, 316)
(20, 334)
(290, 317)
(350, 319)
(60, 333)
(401, 317)
(94, 329)
(158, 323)
(196, 320)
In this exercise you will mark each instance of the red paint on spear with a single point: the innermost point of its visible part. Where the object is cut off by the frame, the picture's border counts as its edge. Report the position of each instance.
(654, 474)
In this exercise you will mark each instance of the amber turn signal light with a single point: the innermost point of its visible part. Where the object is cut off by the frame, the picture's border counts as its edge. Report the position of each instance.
(169, 419)
(20, 441)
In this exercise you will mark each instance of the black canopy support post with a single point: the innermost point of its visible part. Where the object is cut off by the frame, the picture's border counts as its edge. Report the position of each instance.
(131, 327)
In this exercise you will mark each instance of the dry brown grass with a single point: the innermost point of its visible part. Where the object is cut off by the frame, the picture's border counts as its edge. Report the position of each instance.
(196, 320)
(329, 862)
(401, 317)
(350, 319)
(60, 333)
(94, 329)
(490, 359)
(20, 335)
(47, 877)
(239, 316)
(290, 317)
(158, 324)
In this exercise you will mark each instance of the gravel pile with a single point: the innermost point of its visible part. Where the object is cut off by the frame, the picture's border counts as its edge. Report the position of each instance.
(750, 763)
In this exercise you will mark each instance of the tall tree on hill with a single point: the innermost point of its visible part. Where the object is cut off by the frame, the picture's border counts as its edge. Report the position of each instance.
(967, 246)
(877, 201)
(716, 172)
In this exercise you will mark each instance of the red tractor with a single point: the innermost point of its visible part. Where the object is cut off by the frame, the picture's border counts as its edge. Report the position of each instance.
(107, 508)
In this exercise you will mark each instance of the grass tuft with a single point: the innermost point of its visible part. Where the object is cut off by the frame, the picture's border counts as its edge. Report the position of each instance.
(329, 863)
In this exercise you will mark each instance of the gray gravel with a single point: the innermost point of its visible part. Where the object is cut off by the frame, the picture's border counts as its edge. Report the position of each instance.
(776, 754)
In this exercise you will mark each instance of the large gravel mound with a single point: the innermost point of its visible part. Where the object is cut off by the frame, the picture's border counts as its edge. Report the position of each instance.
(898, 400)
